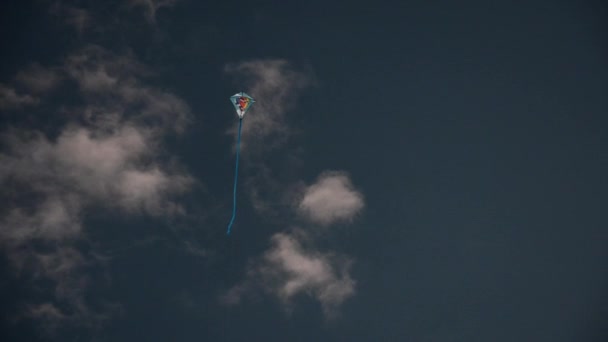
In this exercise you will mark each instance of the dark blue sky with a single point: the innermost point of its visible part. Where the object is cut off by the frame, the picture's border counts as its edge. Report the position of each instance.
(465, 143)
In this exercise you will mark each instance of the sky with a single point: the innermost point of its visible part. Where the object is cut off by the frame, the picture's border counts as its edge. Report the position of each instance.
(410, 171)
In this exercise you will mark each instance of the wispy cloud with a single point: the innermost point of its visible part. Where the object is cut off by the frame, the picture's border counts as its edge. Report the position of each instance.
(78, 18)
(150, 7)
(116, 83)
(332, 198)
(28, 87)
(10, 99)
(38, 79)
(276, 84)
(91, 18)
(67, 271)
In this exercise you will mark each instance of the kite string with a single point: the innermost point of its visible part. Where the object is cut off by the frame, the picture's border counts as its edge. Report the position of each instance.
(236, 174)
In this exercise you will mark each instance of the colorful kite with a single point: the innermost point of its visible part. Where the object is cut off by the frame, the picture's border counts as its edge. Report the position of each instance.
(241, 102)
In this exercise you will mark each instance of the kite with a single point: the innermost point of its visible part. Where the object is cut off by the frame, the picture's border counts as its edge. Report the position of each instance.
(241, 102)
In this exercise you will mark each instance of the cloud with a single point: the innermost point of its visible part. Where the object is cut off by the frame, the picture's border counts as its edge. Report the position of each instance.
(46, 311)
(32, 83)
(56, 217)
(109, 154)
(275, 84)
(115, 169)
(78, 18)
(115, 83)
(288, 269)
(63, 268)
(298, 270)
(332, 198)
(150, 7)
(38, 79)
(10, 99)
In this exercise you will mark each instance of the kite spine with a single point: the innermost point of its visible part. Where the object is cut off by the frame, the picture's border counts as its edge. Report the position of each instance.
(236, 174)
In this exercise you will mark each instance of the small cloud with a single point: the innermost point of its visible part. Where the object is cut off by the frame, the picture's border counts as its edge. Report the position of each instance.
(45, 311)
(78, 18)
(96, 80)
(10, 99)
(48, 313)
(150, 7)
(38, 79)
(289, 269)
(332, 198)
(194, 249)
(96, 70)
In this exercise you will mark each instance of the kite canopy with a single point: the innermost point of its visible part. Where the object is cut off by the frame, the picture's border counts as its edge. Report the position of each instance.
(241, 102)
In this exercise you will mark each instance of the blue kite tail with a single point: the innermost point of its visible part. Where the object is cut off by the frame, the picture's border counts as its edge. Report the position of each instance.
(236, 176)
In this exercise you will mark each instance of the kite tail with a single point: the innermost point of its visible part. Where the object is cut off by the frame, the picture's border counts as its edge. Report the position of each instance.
(236, 176)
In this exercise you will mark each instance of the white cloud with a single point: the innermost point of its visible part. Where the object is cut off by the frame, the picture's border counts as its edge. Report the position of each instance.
(332, 198)
(115, 170)
(300, 270)
(288, 269)
(109, 154)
